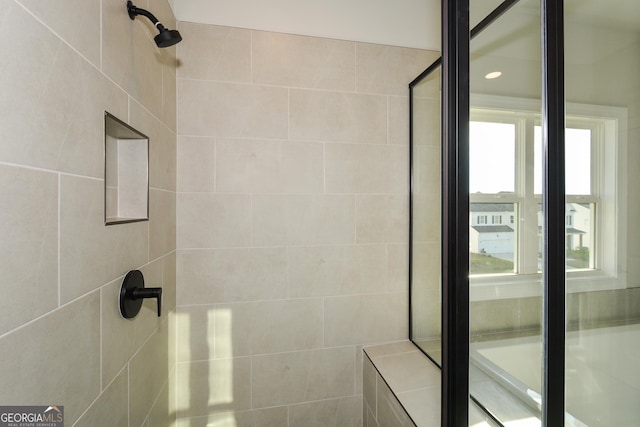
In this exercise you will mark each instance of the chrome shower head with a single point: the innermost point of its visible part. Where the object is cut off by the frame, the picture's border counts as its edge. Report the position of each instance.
(166, 37)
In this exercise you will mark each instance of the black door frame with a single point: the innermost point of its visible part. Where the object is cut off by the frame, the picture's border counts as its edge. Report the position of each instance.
(455, 212)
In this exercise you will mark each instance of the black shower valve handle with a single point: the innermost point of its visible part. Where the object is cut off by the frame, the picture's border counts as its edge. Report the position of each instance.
(133, 293)
(141, 293)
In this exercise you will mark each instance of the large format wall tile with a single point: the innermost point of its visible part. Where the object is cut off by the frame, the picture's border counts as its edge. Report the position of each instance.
(129, 57)
(268, 327)
(247, 111)
(269, 167)
(207, 220)
(302, 376)
(92, 254)
(344, 412)
(304, 62)
(163, 412)
(228, 53)
(147, 374)
(337, 270)
(361, 319)
(292, 223)
(162, 147)
(39, 367)
(195, 333)
(231, 275)
(83, 34)
(196, 164)
(302, 220)
(389, 70)
(169, 96)
(28, 231)
(337, 117)
(59, 78)
(108, 411)
(35, 130)
(213, 386)
(383, 219)
(121, 338)
(230, 330)
(162, 223)
(169, 291)
(366, 168)
(268, 417)
(398, 112)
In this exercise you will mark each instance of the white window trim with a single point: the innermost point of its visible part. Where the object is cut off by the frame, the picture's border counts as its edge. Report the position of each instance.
(611, 240)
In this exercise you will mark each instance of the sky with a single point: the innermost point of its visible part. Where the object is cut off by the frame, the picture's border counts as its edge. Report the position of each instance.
(493, 154)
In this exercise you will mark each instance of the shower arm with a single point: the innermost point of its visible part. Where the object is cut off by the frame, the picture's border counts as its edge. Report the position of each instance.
(135, 11)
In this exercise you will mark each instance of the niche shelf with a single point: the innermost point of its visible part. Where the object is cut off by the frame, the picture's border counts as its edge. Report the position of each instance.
(126, 172)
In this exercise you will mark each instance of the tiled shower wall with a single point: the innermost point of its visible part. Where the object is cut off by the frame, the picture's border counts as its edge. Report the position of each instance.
(291, 222)
(62, 340)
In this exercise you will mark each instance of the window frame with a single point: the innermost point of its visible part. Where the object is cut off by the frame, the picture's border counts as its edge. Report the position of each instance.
(608, 150)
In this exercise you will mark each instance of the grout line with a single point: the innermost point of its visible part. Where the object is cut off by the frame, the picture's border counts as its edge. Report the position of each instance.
(324, 168)
(324, 325)
(102, 388)
(298, 88)
(52, 171)
(355, 68)
(251, 230)
(128, 393)
(59, 238)
(288, 272)
(215, 165)
(279, 353)
(78, 298)
(288, 114)
(251, 382)
(288, 415)
(101, 36)
(251, 56)
(387, 123)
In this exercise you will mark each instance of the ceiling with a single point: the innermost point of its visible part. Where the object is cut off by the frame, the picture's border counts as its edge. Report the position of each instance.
(407, 23)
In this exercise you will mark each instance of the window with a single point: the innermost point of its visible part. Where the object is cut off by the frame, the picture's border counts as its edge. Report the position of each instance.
(506, 181)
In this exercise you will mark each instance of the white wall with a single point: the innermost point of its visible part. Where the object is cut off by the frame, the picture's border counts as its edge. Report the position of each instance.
(407, 23)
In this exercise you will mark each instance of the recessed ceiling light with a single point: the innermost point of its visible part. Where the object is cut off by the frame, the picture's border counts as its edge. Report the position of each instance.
(493, 75)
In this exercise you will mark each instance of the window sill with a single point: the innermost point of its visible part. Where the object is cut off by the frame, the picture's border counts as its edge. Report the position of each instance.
(494, 287)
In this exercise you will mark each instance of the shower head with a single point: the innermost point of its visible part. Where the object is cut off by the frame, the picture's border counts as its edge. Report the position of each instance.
(166, 37)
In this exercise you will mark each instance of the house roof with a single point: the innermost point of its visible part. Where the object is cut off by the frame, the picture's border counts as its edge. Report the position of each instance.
(568, 230)
(571, 230)
(491, 207)
(493, 228)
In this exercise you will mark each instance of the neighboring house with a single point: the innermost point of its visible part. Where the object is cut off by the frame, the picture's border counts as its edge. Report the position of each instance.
(578, 225)
(495, 240)
(492, 229)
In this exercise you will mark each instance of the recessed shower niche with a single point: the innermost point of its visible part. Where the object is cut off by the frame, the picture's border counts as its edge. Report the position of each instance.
(126, 172)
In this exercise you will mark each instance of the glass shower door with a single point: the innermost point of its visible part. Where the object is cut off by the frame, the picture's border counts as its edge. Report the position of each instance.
(425, 280)
(505, 215)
